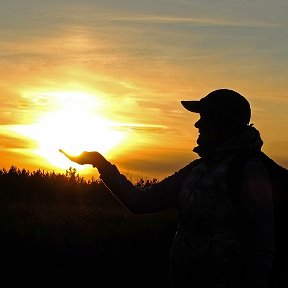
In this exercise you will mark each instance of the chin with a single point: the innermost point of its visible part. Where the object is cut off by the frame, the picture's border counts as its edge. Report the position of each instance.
(200, 141)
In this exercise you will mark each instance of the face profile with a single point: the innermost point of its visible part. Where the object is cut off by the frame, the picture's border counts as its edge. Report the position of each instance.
(223, 113)
(208, 130)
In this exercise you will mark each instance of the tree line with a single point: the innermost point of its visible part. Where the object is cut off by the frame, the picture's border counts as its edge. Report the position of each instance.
(23, 184)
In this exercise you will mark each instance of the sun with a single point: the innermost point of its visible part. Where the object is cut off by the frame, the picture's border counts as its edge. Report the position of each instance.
(74, 126)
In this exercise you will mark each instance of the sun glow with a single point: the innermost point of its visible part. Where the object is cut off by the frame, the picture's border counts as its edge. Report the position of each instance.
(74, 126)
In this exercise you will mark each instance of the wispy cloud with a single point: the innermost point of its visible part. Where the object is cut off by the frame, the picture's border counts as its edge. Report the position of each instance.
(14, 142)
(196, 21)
(142, 127)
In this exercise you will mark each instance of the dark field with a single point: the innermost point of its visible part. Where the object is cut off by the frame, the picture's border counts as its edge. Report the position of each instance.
(62, 231)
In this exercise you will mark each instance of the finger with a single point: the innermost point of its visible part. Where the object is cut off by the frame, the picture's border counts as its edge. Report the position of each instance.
(70, 157)
(65, 153)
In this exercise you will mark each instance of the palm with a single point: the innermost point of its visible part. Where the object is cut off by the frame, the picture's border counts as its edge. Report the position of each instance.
(93, 158)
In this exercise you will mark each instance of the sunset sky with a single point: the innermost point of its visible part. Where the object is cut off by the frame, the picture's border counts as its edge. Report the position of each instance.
(109, 75)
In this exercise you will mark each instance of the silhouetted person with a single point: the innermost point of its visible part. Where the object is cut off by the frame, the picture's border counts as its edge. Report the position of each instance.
(225, 235)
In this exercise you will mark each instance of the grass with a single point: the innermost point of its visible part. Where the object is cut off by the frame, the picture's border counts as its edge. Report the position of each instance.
(60, 231)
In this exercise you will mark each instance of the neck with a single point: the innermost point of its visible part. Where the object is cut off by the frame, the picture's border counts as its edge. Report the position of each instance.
(246, 140)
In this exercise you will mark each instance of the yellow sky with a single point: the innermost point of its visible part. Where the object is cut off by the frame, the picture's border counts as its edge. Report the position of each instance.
(110, 75)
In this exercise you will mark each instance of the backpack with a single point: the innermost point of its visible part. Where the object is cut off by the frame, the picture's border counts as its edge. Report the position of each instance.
(279, 181)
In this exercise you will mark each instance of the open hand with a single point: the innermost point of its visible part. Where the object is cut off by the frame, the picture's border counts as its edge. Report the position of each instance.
(93, 158)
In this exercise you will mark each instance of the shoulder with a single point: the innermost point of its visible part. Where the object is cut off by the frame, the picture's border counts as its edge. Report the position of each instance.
(177, 177)
(189, 166)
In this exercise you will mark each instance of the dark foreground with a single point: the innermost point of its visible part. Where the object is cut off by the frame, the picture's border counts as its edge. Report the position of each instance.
(78, 235)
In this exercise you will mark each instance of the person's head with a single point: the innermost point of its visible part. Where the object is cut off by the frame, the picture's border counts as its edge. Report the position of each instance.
(223, 113)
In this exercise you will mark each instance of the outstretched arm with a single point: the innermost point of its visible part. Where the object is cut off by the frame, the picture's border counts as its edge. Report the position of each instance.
(121, 187)
(160, 196)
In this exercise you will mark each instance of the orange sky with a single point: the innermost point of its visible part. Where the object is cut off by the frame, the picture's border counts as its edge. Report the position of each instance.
(110, 75)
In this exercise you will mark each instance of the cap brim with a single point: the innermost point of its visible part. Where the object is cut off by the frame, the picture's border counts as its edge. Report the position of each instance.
(192, 106)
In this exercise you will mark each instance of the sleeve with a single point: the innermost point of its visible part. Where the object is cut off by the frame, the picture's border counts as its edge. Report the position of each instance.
(160, 196)
(258, 225)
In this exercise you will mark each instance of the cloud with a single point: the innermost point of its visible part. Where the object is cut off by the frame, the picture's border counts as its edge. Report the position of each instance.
(195, 21)
(12, 108)
(143, 128)
(18, 109)
(14, 142)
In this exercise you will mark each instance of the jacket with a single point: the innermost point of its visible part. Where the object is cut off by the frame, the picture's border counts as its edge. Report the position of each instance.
(231, 239)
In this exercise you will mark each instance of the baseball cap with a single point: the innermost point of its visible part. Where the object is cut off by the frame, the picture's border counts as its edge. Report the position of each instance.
(225, 103)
